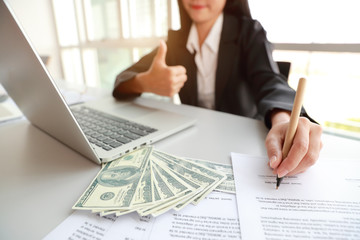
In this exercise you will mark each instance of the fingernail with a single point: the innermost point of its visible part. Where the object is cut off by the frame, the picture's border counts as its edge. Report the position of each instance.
(272, 161)
(282, 172)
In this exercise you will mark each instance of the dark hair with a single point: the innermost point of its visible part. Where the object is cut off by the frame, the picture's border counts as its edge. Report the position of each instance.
(238, 8)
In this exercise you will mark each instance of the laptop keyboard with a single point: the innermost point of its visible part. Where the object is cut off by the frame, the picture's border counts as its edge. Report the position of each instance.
(108, 131)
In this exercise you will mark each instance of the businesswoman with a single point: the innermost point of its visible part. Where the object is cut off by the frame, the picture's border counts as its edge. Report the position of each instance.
(221, 59)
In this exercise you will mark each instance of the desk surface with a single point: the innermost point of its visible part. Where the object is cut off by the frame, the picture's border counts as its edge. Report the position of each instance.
(41, 178)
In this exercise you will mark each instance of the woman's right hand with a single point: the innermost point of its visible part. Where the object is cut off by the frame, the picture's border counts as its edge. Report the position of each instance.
(162, 79)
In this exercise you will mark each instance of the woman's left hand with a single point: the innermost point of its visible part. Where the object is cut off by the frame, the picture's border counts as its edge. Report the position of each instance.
(305, 148)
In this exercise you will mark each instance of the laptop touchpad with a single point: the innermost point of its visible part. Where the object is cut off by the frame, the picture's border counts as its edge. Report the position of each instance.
(133, 111)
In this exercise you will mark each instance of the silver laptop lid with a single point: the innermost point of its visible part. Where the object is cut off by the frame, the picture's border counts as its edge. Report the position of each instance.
(24, 76)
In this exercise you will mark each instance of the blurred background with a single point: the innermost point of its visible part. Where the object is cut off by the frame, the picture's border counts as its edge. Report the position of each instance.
(88, 42)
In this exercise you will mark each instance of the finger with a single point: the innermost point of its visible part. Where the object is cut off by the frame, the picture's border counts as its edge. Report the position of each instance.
(313, 152)
(298, 149)
(178, 84)
(273, 144)
(181, 79)
(178, 70)
(161, 53)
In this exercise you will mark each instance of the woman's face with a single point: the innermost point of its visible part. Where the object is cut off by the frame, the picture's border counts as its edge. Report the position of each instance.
(203, 11)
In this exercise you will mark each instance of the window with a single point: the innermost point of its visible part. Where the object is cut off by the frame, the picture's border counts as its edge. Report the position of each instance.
(308, 21)
(320, 40)
(100, 38)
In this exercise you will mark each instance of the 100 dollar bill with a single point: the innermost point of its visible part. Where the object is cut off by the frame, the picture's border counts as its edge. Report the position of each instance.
(115, 185)
(228, 185)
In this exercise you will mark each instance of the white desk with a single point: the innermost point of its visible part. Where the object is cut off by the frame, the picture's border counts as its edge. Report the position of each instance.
(40, 178)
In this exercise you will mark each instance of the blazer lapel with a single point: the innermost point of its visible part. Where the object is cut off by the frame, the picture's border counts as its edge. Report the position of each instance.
(228, 51)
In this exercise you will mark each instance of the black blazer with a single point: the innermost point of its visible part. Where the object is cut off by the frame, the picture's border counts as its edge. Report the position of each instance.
(248, 81)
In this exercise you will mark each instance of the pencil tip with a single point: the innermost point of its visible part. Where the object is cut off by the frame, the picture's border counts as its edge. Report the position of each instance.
(277, 187)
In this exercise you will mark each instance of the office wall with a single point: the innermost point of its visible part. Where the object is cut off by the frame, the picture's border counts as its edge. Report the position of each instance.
(36, 18)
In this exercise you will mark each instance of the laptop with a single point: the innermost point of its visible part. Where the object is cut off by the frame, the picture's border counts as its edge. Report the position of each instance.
(123, 125)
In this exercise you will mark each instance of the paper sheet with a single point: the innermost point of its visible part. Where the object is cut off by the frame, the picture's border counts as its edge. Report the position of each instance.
(214, 218)
(322, 203)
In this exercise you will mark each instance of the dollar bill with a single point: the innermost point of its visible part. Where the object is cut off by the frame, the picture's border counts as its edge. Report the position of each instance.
(149, 181)
(228, 185)
(166, 180)
(194, 177)
(163, 189)
(143, 195)
(115, 185)
(205, 179)
(218, 177)
(156, 194)
(169, 205)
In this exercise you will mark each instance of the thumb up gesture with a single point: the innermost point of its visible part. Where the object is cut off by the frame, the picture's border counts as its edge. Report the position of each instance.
(162, 79)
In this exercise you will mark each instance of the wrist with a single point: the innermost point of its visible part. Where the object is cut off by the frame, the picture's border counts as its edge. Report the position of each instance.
(140, 82)
(278, 116)
(134, 85)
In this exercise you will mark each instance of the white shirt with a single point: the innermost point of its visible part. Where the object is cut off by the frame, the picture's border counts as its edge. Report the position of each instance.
(206, 61)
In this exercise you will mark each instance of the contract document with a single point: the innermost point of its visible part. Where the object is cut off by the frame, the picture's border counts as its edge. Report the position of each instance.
(214, 218)
(321, 203)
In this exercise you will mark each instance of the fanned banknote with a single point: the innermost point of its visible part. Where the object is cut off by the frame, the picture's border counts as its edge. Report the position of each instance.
(115, 185)
(227, 186)
(151, 182)
(195, 168)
